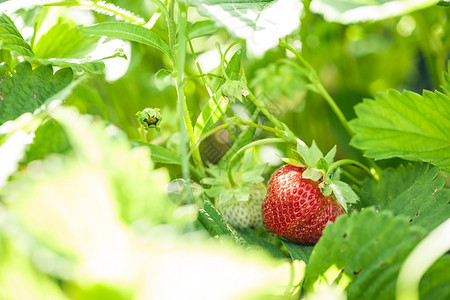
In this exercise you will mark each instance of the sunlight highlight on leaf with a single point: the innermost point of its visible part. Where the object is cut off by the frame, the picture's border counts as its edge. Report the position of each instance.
(352, 11)
(261, 23)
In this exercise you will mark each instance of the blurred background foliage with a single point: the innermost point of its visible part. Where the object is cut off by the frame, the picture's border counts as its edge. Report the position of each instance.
(353, 62)
(55, 246)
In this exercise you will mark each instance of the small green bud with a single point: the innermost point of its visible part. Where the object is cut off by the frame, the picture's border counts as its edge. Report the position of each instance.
(149, 118)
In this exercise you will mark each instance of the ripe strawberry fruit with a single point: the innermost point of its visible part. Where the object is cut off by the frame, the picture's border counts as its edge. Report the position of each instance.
(295, 208)
(244, 214)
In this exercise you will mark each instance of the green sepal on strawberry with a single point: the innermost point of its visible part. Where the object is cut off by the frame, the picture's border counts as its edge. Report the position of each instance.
(304, 195)
(240, 203)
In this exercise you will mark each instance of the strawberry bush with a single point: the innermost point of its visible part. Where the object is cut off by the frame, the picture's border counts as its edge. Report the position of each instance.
(277, 149)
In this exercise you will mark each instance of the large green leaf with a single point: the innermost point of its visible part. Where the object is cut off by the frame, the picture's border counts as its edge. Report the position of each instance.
(405, 125)
(64, 40)
(351, 11)
(414, 191)
(24, 90)
(10, 37)
(362, 254)
(131, 32)
(392, 183)
(261, 23)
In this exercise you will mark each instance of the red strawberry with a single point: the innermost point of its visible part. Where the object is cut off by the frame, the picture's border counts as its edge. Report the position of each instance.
(295, 207)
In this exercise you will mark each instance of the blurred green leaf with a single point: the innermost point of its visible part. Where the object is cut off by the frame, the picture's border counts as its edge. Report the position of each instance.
(19, 278)
(298, 252)
(202, 28)
(102, 7)
(64, 40)
(130, 32)
(161, 154)
(444, 3)
(49, 138)
(262, 240)
(352, 11)
(24, 90)
(362, 254)
(94, 188)
(261, 23)
(404, 125)
(10, 37)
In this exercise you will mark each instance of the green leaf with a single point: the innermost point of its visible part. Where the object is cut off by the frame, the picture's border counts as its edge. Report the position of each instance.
(404, 125)
(11, 39)
(24, 89)
(213, 220)
(261, 23)
(77, 65)
(160, 154)
(64, 40)
(362, 254)
(343, 193)
(329, 157)
(131, 32)
(202, 28)
(391, 184)
(49, 138)
(311, 155)
(262, 240)
(434, 284)
(414, 191)
(215, 109)
(352, 11)
(297, 251)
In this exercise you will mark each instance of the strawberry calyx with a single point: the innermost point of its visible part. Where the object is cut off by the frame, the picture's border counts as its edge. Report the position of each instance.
(325, 170)
(245, 175)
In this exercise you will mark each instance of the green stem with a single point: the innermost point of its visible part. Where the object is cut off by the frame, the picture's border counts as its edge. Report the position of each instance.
(186, 129)
(179, 62)
(351, 177)
(343, 162)
(314, 78)
(430, 46)
(282, 129)
(248, 146)
(171, 26)
(208, 88)
(162, 8)
(239, 122)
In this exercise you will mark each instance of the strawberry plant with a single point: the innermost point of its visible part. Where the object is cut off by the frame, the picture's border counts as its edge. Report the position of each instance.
(159, 149)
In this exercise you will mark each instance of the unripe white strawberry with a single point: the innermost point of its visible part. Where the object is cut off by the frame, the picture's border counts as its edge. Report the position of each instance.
(239, 194)
(244, 214)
